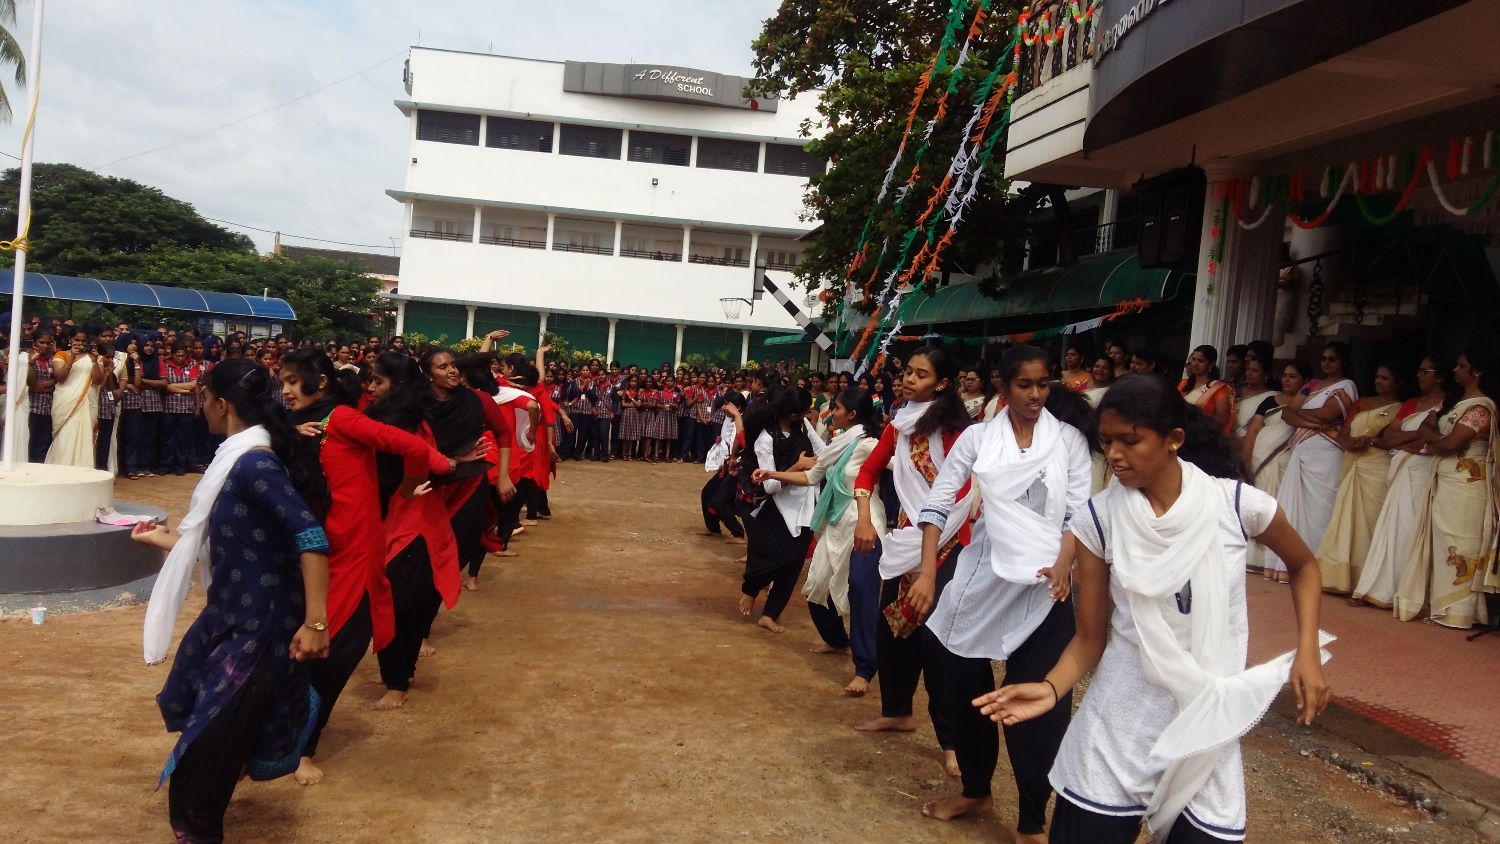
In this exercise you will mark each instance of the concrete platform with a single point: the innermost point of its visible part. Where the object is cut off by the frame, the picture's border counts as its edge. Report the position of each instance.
(38, 494)
(75, 557)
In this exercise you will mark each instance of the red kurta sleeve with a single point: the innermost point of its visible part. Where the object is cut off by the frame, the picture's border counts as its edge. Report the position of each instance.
(418, 459)
(880, 457)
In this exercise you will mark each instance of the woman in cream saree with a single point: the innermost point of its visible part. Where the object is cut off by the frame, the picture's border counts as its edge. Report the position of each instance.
(75, 404)
(1363, 487)
(1454, 548)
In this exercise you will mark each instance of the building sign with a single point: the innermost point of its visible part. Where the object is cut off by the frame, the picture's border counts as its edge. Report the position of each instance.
(661, 82)
(1110, 38)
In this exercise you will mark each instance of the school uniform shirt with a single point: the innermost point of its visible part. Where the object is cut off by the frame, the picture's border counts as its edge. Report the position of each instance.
(604, 400)
(182, 403)
(1105, 763)
(41, 403)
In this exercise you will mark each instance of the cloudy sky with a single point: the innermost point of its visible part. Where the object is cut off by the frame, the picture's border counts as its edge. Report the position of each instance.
(123, 78)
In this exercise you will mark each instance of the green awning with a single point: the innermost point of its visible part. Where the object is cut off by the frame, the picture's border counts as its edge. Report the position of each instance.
(1094, 282)
(786, 340)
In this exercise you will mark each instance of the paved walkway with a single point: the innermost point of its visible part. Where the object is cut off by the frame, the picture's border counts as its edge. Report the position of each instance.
(1420, 680)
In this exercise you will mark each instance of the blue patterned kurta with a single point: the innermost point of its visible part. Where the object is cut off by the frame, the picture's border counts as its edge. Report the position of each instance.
(258, 528)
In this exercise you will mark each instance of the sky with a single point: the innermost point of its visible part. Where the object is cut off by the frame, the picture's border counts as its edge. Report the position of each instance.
(119, 79)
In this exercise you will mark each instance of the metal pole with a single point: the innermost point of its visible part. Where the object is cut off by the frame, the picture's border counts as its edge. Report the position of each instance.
(23, 212)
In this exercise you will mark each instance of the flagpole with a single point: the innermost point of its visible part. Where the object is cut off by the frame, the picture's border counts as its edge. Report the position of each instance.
(18, 415)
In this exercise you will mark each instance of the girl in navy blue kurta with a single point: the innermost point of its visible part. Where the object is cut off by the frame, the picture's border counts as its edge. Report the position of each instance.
(235, 661)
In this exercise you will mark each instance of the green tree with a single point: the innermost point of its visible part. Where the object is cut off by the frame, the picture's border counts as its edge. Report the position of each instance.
(10, 53)
(85, 224)
(863, 59)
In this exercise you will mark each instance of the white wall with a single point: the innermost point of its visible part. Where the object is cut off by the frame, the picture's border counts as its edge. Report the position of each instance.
(533, 279)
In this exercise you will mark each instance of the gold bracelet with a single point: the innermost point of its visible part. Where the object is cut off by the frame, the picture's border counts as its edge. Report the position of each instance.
(861, 493)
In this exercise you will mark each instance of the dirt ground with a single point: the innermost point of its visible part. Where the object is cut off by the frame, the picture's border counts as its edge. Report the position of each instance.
(600, 687)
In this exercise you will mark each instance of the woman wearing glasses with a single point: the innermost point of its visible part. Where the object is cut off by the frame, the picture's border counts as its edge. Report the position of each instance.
(1311, 482)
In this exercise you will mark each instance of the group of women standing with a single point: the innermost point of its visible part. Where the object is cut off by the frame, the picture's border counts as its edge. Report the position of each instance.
(973, 562)
(339, 517)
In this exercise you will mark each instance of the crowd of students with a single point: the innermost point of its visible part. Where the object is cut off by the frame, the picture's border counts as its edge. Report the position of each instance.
(955, 516)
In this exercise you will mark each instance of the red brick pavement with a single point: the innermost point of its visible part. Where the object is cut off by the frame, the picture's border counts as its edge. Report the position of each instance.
(1421, 680)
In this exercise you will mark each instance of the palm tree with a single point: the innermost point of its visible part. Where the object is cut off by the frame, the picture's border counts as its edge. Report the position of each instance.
(10, 53)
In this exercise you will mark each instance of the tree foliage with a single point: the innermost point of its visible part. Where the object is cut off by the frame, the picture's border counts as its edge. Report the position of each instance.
(863, 59)
(85, 224)
(10, 53)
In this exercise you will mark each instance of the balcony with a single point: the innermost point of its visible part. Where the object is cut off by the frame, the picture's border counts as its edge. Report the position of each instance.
(675, 257)
(511, 241)
(1121, 234)
(587, 250)
(775, 265)
(1064, 45)
(432, 235)
(718, 262)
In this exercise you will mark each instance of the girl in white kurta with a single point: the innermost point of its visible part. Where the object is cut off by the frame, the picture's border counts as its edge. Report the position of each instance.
(1311, 483)
(1157, 734)
(1008, 597)
(840, 582)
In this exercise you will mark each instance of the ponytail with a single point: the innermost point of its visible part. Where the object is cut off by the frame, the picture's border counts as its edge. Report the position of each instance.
(947, 412)
(1152, 403)
(862, 405)
(312, 364)
(245, 384)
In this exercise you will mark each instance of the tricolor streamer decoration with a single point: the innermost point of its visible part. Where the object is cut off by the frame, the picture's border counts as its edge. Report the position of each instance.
(1361, 179)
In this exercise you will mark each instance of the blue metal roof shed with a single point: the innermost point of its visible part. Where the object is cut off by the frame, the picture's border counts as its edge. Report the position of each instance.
(135, 294)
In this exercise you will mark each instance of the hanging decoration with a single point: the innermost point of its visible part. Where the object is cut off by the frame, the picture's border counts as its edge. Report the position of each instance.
(1368, 178)
(1045, 32)
(1216, 243)
(1133, 306)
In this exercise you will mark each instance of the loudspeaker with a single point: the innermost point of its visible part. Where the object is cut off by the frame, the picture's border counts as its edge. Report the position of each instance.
(1171, 218)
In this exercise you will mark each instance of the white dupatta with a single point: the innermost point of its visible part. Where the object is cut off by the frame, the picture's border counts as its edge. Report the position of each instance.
(1154, 558)
(508, 395)
(901, 549)
(191, 550)
(1022, 541)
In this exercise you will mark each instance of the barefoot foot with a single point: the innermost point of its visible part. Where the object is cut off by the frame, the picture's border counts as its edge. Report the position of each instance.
(770, 624)
(735, 540)
(391, 700)
(747, 603)
(1031, 837)
(307, 773)
(904, 724)
(950, 764)
(426, 650)
(1355, 602)
(857, 687)
(741, 561)
(528, 523)
(957, 807)
(506, 553)
(825, 648)
(471, 583)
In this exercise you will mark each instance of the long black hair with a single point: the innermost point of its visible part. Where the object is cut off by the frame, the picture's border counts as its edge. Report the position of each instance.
(1212, 356)
(862, 405)
(245, 384)
(311, 364)
(947, 412)
(475, 368)
(404, 403)
(1152, 403)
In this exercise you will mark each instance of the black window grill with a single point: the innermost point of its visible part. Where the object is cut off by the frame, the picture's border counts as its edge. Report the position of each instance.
(510, 133)
(788, 160)
(590, 141)
(721, 154)
(447, 127)
(658, 148)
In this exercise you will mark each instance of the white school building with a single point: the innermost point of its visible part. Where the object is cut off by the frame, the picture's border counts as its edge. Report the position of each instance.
(615, 205)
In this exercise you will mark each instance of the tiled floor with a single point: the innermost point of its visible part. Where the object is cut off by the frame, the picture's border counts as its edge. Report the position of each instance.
(1421, 680)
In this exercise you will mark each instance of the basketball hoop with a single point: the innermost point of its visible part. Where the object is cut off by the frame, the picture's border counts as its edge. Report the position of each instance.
(732, 305)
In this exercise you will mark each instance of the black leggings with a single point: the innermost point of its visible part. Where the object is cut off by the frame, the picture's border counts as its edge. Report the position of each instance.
(331, 674)
(1073, 824)
(536, 503)
(717, 500)
(773, 558)
(205, 776)
(901, 662)
(468, 527)
(1031, 745)
(416, 601)
(508, 514)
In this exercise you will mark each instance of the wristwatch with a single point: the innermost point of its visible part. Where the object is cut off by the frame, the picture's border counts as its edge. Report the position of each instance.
(319, 626)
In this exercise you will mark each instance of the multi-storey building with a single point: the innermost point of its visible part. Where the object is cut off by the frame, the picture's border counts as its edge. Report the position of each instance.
(615, 205)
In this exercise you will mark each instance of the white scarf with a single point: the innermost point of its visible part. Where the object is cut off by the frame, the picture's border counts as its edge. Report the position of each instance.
(901, 549)
(507, 395)
(192, 543)
(1155, 557)
(718, 453)
(1022, 541)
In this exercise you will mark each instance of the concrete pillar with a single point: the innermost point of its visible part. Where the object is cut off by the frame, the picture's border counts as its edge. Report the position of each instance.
(1238, 302)
(400, 318)
(760, 158)
(619, 233)
(754, 258)
(1109, 213)
(692, 151)
(541, 331)
(676, 353)
(744, 346)
(469, 320)
(551, 226)
(478, 216)
(411, 209)
(556, 137)
(687, 242)
(609, 345)
(484, 123)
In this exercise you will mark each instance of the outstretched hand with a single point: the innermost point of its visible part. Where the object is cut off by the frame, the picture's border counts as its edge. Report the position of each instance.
(1010, 705)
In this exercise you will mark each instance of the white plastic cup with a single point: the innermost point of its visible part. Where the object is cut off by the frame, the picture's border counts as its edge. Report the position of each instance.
(38, 615)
